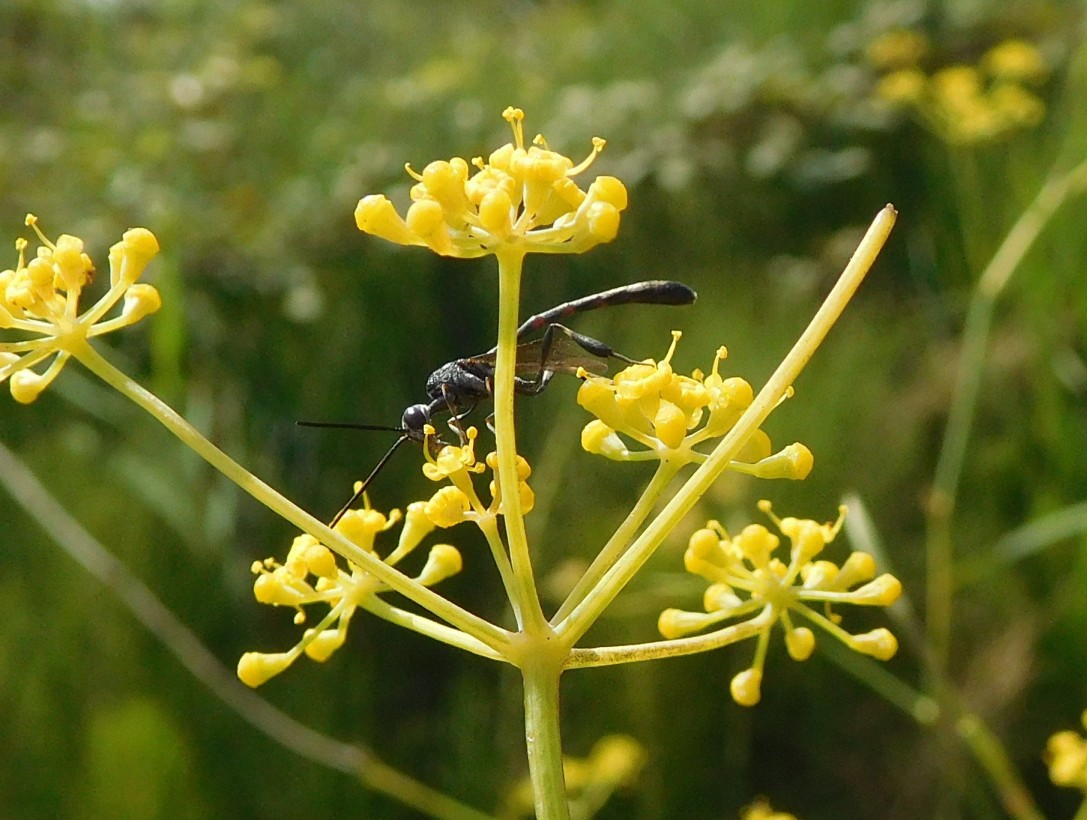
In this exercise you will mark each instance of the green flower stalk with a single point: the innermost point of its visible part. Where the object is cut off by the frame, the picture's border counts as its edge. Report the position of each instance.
(523, 199)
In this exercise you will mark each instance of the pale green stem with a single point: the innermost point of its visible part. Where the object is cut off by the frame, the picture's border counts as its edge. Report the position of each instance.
(425, 626)
(482, 630)
(537, 653)
(989, 752)
(619, 540)
(586, 613)
(489, 527)
(939, 553)
(544, 740)
(526, 601)
(674, 648)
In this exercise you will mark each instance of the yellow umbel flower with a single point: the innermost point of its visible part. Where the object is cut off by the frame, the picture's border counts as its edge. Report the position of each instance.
(520, 196)
(311, 575)
(748, 581)
(1066, 755)
(452, 505)
(670, 414)
(40, 299)
(969, 104)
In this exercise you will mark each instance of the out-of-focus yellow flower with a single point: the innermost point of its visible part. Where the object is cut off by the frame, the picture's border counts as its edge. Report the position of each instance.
(311, 575)
(896, 49)
(40, 300)
(902, 87)
(748, 581)
(1015, 60)
(1066, 755)
(669, 414)
(521, 196)
(971, 104)
(761, 810)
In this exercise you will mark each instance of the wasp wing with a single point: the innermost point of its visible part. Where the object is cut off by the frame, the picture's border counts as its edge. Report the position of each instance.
(564, 356)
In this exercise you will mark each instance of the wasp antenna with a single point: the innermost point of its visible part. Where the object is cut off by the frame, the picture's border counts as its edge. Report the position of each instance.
(369, 478)
(347, 425)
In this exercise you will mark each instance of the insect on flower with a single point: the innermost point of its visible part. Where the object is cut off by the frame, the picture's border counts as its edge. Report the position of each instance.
(457, 387)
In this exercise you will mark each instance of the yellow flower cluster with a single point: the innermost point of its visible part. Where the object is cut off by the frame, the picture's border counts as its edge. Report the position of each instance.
(311, 575)
(40, 299)
(669, 414)
(963, 104)
(747, 580)
(523, 197)
(459, 501)
(1066, 754)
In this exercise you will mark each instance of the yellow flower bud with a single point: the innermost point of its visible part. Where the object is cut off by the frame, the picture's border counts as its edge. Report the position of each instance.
(675, 623)
(800, 643)
(254, 668)
(140, 300)
(879, 643)
(858, 568)
(129, 257)
(442, 562)
(448, 507)
(670, 424)
(496, 212)
(321, 645)
(720, 597)
(746, 687)
(26, 385)
(269, 588)
(376, 215)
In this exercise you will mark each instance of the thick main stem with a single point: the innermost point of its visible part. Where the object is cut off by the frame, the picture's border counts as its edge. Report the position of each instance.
(537, 652)
(543, 739)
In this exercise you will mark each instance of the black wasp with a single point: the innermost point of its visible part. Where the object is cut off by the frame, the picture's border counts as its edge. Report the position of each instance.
(458, 386)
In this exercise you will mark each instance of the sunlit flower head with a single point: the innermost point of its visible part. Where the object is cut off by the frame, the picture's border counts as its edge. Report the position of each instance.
(1066, 755)
(311, 575)
(748, 581)
(458, 501)
(669, 414)
(521, 196)
(39, 300)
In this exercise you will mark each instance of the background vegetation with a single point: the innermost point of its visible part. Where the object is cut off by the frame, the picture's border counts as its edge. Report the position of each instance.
(756, 145)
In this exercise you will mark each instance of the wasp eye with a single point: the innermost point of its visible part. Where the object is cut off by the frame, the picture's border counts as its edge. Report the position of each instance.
(415, 417)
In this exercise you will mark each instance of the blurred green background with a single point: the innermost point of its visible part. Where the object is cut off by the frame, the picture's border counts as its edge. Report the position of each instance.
(757, 140)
